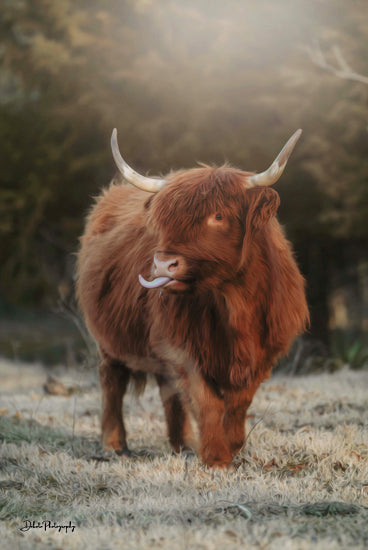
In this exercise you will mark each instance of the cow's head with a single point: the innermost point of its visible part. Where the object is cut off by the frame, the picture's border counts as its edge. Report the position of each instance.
(204, 219)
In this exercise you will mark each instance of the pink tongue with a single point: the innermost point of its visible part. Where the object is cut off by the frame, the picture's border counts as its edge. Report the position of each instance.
(156, 283)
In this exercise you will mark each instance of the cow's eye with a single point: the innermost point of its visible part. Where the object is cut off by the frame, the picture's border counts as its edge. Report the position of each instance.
(218, 216)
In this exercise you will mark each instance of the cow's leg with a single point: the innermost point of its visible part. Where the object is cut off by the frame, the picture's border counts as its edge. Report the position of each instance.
(114, 377)
(208, 407)
(180, 431)
(236, 406)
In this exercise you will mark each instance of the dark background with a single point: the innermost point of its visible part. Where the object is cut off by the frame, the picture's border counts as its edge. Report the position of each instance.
(202, 80)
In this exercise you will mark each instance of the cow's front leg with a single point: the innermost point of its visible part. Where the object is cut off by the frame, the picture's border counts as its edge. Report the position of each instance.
(208, 407)
(236, 406)
(114, 377)
(178, 423)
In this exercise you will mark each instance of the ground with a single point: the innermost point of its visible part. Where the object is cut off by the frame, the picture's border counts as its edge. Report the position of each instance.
(302, 480)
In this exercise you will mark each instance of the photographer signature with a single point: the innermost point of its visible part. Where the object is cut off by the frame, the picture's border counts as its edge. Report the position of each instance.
(47, 524)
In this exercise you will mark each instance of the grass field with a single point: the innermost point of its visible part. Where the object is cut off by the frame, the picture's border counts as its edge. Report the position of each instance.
(302, 480)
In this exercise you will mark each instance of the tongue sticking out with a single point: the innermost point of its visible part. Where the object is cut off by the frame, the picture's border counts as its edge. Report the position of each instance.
(156, 283)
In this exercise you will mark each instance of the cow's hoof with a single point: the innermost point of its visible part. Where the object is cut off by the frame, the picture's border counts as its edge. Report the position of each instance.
(125, 453)
(216, 456)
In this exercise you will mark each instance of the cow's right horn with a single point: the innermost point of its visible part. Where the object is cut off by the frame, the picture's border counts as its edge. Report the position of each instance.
(147, 184)
(270, 176)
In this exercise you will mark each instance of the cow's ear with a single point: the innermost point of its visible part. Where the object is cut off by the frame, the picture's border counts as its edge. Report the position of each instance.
(261, 205)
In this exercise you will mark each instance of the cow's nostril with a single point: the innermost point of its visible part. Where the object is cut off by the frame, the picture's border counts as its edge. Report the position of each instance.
(165, 267)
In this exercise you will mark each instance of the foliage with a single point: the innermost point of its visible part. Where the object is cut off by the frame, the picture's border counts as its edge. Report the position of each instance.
(350, 349)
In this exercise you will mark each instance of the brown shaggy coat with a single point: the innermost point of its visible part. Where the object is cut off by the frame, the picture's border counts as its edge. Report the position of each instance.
(211, 340)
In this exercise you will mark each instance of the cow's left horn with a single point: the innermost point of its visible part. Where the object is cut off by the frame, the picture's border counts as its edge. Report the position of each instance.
(147, 184)
(271, 175)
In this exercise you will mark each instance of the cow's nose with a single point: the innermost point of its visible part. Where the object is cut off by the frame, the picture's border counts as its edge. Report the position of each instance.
(166, 267)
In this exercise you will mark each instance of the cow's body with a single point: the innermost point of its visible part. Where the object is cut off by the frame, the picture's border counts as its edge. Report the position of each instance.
(211, 335)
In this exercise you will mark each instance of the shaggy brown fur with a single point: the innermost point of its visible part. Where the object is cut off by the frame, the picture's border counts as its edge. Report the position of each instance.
(214, 338)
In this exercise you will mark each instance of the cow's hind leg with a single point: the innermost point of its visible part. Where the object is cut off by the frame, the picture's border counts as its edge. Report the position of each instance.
(114, 377)
(178, 423)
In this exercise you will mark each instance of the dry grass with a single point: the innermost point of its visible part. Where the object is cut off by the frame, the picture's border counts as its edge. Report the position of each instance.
(302, 480)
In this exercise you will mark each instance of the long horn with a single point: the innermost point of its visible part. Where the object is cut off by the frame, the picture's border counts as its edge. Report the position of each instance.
(273, 173)
(147, 184)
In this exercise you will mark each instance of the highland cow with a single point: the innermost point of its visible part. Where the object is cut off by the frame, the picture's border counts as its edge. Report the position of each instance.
(190, 278)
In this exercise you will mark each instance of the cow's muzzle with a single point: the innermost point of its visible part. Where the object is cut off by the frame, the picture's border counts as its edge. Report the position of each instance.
(166, 269)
